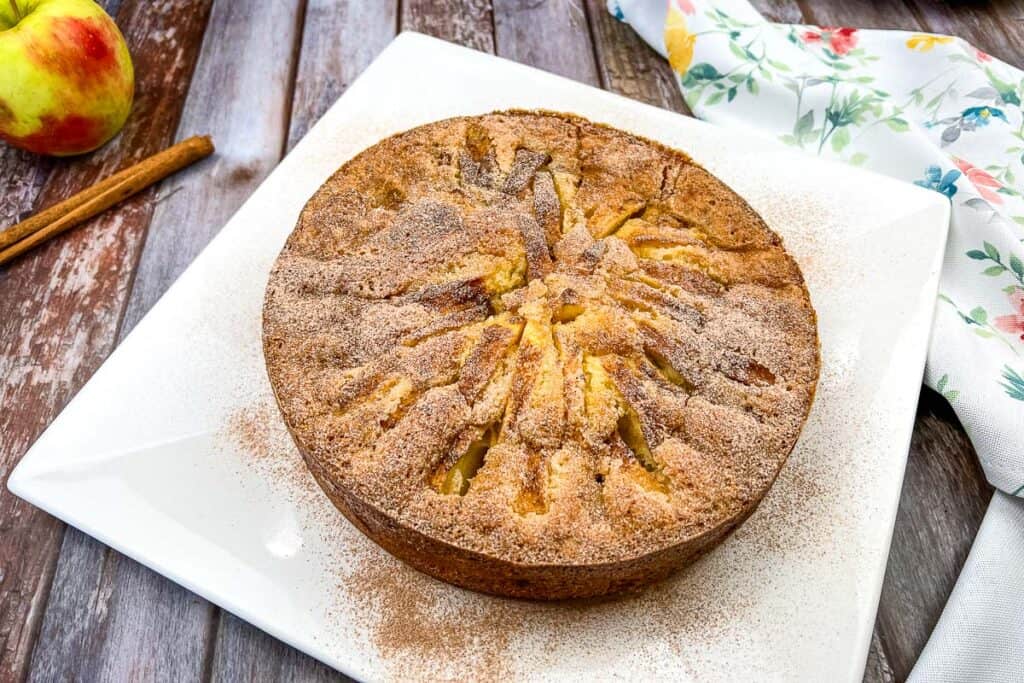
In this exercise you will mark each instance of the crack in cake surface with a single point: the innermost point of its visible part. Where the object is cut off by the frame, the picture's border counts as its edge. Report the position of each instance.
(531, 312)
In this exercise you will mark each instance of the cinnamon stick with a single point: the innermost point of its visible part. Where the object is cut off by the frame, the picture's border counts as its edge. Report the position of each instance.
(52, 213)
(79, 208)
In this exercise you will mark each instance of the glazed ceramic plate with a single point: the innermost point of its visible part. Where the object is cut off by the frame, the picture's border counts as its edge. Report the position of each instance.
(174, 454)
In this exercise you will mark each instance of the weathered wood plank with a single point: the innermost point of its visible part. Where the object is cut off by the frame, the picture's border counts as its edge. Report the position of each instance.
(240, 94)
(61, 304)
(466, 22)
(244, 653)
(780, 11)
(944, 498)
(552, 36)
(110, 619)
(860, 14)
(877, 669)
(340, 39)
(22, 176)
(628, 66)
(995, 27)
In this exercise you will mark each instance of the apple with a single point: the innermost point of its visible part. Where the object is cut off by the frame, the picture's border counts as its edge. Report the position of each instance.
(66, 78)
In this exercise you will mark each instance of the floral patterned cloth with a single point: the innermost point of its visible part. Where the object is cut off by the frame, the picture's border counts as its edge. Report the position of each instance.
(924, 108)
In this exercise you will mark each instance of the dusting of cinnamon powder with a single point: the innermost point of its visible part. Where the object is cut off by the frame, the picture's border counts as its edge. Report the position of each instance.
(424, 629)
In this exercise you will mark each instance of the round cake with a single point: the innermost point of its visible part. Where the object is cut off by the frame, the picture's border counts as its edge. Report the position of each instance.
(537, 356)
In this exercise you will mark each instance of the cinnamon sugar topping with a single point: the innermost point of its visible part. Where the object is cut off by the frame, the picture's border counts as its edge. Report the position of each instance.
(519, 342)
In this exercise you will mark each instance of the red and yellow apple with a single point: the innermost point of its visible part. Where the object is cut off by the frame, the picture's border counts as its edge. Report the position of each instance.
(66, 78)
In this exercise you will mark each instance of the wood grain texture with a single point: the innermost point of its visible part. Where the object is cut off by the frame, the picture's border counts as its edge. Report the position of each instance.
(110, 619)
(239, 93)
(466, 22)
(552, 36)
(997, 27)
(944, 499)
(780, 11)
(21, 178)
(340, 39)
(60, 306)
(860, 14)
(244, 653)
(628, 66)
(877, 669)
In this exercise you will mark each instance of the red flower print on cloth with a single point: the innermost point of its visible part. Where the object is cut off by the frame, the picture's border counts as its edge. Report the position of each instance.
(839, 39)
(1014, 323)
(982, 56)
(983, 182)
(685, 6)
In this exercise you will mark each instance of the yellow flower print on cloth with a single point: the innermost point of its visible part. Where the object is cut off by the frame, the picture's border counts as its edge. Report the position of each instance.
(679, 41)
(923, 42)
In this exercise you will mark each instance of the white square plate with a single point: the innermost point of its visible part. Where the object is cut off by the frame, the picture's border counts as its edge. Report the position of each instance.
(173, 453)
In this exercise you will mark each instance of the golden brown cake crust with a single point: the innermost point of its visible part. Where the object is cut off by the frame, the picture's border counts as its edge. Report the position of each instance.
(537, 356)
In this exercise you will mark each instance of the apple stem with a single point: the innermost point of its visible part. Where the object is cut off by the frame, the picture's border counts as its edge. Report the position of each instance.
(17, 13)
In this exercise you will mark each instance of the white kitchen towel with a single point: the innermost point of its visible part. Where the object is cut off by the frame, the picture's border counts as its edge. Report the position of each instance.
(938, 112)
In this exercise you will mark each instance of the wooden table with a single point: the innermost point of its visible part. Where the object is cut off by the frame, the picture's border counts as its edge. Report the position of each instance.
(256, 75)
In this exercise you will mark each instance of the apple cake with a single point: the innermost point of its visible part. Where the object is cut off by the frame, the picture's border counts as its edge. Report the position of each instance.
(536, 356)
